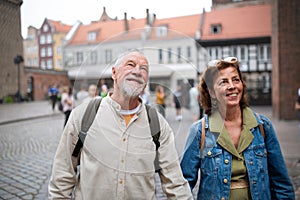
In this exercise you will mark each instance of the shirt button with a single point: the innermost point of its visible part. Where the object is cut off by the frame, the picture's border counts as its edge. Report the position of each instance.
(209, 153)
(122, 161)
(124, 139)
(222, 198)
(226, 161)
(225, 180)
(121, 181)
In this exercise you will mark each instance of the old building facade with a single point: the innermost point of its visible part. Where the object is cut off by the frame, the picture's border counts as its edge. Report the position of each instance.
(11, 74)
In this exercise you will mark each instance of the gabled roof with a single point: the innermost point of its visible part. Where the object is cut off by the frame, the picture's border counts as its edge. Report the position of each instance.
(240, 22)
(59, 26)
(183, 26)
(107, 30)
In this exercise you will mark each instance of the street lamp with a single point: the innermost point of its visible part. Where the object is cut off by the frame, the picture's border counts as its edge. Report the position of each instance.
(17, 60)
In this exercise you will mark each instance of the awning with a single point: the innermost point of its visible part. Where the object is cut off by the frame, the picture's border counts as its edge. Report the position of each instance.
(156, 71)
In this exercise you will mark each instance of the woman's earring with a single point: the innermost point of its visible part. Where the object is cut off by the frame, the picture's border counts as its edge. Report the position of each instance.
(214, 103)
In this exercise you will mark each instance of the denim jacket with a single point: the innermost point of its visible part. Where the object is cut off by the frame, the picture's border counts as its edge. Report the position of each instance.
(267, 173)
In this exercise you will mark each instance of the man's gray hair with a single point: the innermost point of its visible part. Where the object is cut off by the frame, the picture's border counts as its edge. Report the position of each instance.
(121, 57)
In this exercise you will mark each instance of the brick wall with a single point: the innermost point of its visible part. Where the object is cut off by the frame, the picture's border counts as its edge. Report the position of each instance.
(43, 79)
(10, 46)
(285, 57)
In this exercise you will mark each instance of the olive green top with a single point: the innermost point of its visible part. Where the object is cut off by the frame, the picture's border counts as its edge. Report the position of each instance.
(238, 170)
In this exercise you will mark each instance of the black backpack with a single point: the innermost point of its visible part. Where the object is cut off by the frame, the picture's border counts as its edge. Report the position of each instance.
(89, 116)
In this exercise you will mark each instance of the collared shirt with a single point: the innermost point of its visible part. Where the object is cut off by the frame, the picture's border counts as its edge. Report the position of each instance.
(117, 161)
(267, 178)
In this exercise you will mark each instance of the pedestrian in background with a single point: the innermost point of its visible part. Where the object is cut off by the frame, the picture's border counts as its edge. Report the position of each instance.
(81, 94)
(92, 93)
(52, 93)
(235, 149)
(67, 101)
(117, 158)
(160, 99)
(194, 103)
(177, 101)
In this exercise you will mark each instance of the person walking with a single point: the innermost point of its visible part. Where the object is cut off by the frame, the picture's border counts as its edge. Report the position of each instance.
(235, 149)
(177, 101)
(160, 100)
(117, 158)
(81, 94)
(67, 101)
(53, 93)
(92, 93)
(194, 103)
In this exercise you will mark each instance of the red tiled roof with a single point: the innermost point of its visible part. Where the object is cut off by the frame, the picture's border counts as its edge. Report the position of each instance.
(60, 27)
(240, 22)
(184, 26)
(107, 31)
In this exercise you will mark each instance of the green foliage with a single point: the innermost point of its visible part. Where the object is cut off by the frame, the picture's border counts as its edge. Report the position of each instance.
(8, 99)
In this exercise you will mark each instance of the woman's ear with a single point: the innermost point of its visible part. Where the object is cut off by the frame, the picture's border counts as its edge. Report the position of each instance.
(211, 93)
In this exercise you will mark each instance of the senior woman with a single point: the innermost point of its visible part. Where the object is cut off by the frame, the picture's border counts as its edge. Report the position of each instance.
(235, 149)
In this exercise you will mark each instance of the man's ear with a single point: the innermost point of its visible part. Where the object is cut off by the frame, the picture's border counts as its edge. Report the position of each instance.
(113, 73)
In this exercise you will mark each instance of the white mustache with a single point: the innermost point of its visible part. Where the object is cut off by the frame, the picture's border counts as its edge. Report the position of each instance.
(135, 78)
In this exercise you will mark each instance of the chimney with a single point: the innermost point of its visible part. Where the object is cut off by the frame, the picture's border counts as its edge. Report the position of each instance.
(126, 22)
(147, 17)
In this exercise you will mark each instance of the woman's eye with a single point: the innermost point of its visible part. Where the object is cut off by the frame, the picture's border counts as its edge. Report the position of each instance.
(236, 80)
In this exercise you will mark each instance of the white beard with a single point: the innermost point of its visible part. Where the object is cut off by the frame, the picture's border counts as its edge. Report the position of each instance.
(133, 89)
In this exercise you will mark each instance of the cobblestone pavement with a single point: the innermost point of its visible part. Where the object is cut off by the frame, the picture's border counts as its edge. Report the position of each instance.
(27, 149)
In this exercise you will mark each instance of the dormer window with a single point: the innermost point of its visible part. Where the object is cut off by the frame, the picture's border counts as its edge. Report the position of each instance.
(161, 31)
(215, 28)
(92, 36)
(45, 28)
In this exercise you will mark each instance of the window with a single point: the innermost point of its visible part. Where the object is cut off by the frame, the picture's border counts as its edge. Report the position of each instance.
(79, 57)
(49, 39)
(58, 50)
(241, 52)
(43, 52)
(93, 57)
(35, 48)
(169, 55)
(160, 55)
(49, 64)
(43, 64)
(59, 63)
(35, 62)
(43, 39)
(179, 54)
(28, 62)
(108, 56)
(215, 28)
(264, 52)
(49, 51)
(45, 28)
(215, 53)
(28, 50)
(161, 31)
(92, 36)
(189, 54)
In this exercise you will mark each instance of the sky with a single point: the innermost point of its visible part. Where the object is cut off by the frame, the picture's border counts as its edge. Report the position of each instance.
(34, 12)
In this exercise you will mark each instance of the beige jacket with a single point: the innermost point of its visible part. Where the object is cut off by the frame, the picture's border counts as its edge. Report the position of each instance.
(117, 162)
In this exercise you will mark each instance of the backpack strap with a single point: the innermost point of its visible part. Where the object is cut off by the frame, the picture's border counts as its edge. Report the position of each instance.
(202, 134)
(155, 131)
(87, 120)
(89, 116)
(261, 128)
